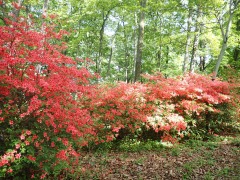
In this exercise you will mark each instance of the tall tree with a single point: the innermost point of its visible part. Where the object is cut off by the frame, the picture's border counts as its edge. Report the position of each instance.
(112, 45)
(225, 31)
(195, 40)
(188, 40)
(236, 52)
(138, 64)
(101, 34)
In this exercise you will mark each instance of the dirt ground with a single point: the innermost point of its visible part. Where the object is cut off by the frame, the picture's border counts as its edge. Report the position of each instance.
(211, 161)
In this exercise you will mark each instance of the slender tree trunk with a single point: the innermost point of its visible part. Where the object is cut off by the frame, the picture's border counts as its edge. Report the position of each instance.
(99, 58)
(111, 51)
(159, 52)
(159, 58)
(186, 56)
(110, 60)
(202, 63)
(167, 61)
(135, 37)
(220, 57)
(236, 54)
(126, 55)
(138, 66)
(195, 43)
(225, 35)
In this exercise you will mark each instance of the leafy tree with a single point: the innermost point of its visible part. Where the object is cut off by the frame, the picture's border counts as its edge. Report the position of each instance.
(225, 30)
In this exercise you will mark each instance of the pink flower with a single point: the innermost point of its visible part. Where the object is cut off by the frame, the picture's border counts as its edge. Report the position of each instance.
(18, 156)
(116, 129)
(28, 132)
(27, 142)
(22, 137)
(10, 170)
(43, 176)
(45, 134)
(36, 144)
(11, 122)
(52, 144)
(17, 146)
(65, 141)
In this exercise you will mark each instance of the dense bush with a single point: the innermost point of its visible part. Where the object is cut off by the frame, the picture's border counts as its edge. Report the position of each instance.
(41, 116)
(171, 108)
(198, 99)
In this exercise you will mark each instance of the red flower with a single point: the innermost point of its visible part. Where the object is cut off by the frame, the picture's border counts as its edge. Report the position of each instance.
(31, 158)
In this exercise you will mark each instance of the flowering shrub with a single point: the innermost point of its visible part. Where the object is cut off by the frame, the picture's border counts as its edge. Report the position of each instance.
(41, 115)
(122, 106)
(194, 97)
(169, 106)
(129, 109)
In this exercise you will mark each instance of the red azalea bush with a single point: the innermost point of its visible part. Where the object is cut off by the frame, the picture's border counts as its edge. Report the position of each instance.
(166, 106)
(130, 109)
(195, 97)
(118, 107)
(41, 115)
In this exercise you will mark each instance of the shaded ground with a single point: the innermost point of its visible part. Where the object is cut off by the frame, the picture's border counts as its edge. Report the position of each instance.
(194, 160)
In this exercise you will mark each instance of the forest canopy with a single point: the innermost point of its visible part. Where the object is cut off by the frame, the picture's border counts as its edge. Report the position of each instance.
(121, 39)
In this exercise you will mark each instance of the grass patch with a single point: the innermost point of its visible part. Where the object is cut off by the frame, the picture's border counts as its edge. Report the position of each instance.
(132, 145)
(189, 168)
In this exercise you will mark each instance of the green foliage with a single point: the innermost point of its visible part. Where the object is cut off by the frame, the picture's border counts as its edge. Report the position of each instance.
(133, 145)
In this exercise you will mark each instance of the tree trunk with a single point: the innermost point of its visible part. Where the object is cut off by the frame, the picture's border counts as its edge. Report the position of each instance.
(138, 66)
(159, 58)
(195, 43)
(126, 55)
(202, 63)
(135, 37)
(225, 36)
(236, 54)
(167, 61)
(99, 58)
(111, 52)
(186, 56)
(110, 60)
